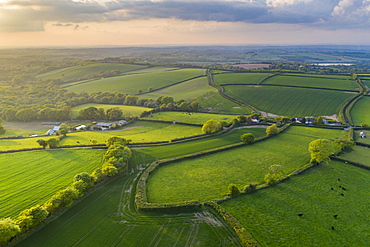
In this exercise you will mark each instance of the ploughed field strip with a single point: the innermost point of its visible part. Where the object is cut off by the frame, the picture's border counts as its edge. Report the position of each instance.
(107, 217)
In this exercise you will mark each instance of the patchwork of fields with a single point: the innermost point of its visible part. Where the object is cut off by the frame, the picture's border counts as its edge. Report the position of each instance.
(107, 215)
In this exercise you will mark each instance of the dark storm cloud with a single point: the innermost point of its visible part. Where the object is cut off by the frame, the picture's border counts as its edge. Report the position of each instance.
(32, 14)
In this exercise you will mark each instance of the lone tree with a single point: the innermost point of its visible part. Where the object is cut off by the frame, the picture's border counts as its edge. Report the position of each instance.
(53, 142)
(275, 173)
(42, 143)
(247, 137)
(211, 126)
(272, 130)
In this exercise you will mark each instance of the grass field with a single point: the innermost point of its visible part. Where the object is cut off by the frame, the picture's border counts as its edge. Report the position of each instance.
(305, 81)
(15, 144)
(213, 102)
(231, 137)
(195, 118)
(187, 90)
(360, 113)
(239, 78)
(271, 215)
(136, 81)
(340, 77)
(357, 154)
(76, 72)
(128, 111)
(26, 181)
(357, 138)
(107, 217)
(292, 102)
(140, 131)
(207, 178)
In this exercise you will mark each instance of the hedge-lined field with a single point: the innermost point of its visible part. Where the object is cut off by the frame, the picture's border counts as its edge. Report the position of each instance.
(286, 101)
(187, 90)
(128, 111)
(341, 77)
(184, 148)
(193, 118)
(106, 217)
(306, 81)
(207, 178)
(271, 214)
(15, 144)
(357, 154)
(31, 178)
(360, 111)
(140, 131)
(239, 78)
(133, 82)
(76, 72)
(213, 102)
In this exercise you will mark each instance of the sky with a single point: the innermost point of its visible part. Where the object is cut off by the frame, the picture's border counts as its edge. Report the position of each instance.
(29, 23)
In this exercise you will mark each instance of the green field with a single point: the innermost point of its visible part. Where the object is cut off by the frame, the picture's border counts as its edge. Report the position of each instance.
(184, 148)
(131, 83)
(187, 90)
(360, 111)
(107, 217)
(194, 118)
(15, 144)
(26, 181)
(140, 131)
(128, 111)
(77, 72)
(239, 78)
(293, 102)
(357, 154)
(357, 138)
(318, 76)
(271, 215)
(305, 81)
(207, 178)
(215, 103)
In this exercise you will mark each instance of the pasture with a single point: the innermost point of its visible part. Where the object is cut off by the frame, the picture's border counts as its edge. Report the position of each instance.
(107, 217)
(207, 178)
(77, 72)
(139, 131)
(187, 90)
(292, 102)
(194, 118)
(358, 154)
(127, 111)
(134, 82)
(184, 148)
(239, 78)
(213, 102)
(271, 214)
(360, 113)
(306, 81)
(26, 181)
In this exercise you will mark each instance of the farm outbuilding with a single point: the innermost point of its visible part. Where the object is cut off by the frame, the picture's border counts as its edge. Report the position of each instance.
(362, 134)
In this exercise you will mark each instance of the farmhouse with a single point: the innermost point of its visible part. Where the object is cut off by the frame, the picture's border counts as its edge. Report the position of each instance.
(81, 127)
(53, 131)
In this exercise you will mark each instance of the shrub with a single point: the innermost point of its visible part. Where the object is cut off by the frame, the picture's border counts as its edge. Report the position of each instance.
(250, 188)
(109, 169)
(233, 190)
(247, 137)
(31, 217)
(211, 126)
(275, 173)
(272, 130)
(63, 198)
(8, 229)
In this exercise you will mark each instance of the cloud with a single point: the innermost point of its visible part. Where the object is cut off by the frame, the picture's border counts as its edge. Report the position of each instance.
(32, 15)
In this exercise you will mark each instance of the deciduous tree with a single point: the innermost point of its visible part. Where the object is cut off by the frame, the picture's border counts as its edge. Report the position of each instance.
(247, 138)
(8, 229)
(211, 126)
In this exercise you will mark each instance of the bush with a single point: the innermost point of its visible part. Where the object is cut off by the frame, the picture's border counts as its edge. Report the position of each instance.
(250, 188)
(211, 126)
(247, 138)
(8, 229)
(272, 130)
(233, 190)
(31, 217)
(275, 174)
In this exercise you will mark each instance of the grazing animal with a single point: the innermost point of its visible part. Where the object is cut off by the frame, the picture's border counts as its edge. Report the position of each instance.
(332, 188)
(335, 216)
(332, 227)
(300, 214)
(340, 186)
(342, 194)
(338, 179)
(343, 188)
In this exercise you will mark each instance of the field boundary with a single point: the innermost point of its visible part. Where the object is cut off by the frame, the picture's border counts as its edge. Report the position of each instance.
(222, 93)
